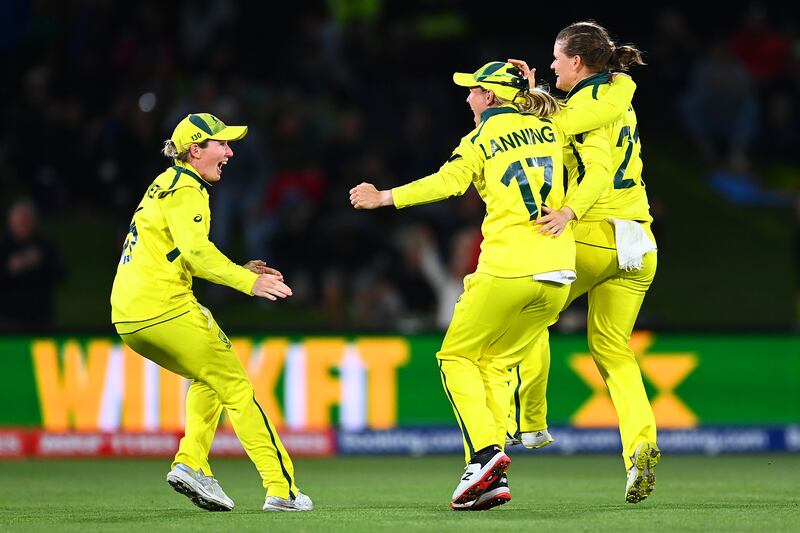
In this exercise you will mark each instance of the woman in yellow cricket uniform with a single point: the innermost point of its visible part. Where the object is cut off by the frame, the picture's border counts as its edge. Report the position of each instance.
(156, 313)
(616, 251)
(513, 157)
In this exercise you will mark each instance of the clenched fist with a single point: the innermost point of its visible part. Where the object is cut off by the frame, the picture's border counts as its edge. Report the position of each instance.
(367, 196)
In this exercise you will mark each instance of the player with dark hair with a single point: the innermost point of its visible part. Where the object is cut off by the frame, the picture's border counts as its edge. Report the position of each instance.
(513, 157)
(156, 313)
(616, 250)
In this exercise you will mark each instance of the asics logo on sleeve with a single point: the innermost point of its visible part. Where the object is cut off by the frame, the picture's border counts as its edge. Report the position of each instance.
(224, 339)
(198, 218)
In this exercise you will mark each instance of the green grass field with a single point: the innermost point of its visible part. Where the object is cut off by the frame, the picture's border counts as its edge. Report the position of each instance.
(579, 493)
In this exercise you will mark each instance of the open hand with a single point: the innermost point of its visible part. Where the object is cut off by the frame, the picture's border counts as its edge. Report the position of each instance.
(271, 287)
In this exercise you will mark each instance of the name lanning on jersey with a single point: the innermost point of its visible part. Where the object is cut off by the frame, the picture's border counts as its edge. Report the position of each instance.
(518, 138)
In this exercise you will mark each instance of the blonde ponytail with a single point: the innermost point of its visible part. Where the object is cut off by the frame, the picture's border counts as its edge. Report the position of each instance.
(536, 101)
(542, 103)
(170, 150)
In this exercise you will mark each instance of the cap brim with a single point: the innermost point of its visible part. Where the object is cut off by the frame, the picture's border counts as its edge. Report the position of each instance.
(230, 133)
(464, 80)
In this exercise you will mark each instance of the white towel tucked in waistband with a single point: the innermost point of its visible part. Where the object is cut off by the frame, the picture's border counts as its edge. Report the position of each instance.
(632, 243)
(562, 277)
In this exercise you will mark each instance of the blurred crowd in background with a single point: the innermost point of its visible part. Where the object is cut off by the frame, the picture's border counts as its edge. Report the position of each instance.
(338, 93)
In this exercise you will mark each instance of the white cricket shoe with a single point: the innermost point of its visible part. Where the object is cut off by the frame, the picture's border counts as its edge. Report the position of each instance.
(204, 491)
(512, 440)
(482, 470)
(301, 502)
(496, 494)
(642, 474)
(536, 439)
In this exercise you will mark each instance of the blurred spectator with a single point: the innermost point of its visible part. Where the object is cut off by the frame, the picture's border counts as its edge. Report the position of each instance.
(761, 49)
(720, 109)
(377, 302)
(202, 22)
(343, 89)
(291, 202)
(673, 51)
(796, 257)
(782, 120)
(447, 278)
(673, 47)
(416, 129)
(285, 210)
(236, 204)
(408, 276)
(30, 270)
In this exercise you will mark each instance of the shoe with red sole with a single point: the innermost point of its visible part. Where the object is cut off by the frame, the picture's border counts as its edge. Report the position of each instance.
(496, 494)
(483, 470)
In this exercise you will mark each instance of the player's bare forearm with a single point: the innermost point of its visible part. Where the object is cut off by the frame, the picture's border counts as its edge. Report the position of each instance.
(367, 196)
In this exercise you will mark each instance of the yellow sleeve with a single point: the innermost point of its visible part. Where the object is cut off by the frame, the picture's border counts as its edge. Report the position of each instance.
(587, 115)
(452, 179)
(595, 151)
(187, 214)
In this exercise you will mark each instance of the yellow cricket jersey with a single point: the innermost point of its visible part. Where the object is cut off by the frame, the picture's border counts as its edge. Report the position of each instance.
(605, 165)
(167, 244)
(511, 158)
(514, 160)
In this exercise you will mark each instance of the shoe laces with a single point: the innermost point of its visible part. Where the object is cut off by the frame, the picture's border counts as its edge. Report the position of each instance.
(208, 481)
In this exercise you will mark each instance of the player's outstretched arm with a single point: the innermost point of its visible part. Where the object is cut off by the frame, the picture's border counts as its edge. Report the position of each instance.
(367, 196)
(271, 287)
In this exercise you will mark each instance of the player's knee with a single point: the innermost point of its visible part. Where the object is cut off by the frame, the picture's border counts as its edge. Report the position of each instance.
(609, 347)
(236, 394)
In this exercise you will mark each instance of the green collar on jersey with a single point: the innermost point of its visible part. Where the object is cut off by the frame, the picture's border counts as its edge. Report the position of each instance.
(489, 113)
(593, 81)
(183, 170)
(492, 111)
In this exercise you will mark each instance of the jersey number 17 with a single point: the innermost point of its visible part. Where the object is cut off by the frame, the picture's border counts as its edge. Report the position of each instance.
(516, 171)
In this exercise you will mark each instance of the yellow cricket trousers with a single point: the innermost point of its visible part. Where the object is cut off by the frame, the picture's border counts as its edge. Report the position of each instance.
(615, 297)
(495, 325)
(192, 345)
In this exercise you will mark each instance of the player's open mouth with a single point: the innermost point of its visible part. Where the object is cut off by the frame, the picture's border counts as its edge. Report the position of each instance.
(220, 165)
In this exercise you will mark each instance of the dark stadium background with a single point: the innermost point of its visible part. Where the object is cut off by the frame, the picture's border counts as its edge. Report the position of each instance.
(343, 91)
(340, 92)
